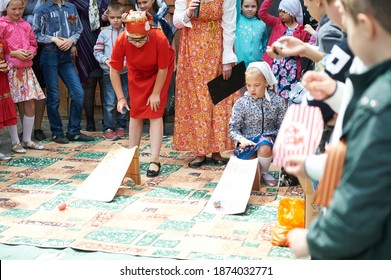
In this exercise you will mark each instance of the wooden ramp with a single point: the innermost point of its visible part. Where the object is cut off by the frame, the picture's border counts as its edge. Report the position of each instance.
(233, 191)
(103, 183)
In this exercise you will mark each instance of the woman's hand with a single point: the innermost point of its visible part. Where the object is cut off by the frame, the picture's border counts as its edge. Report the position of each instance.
(227, 70)
(192, 6)
(154, 102)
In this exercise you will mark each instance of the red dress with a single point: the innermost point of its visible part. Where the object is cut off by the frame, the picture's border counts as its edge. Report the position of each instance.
(7, 107)
(143, 64)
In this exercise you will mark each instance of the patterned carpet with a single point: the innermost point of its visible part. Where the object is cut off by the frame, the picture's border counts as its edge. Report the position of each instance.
(162, 217)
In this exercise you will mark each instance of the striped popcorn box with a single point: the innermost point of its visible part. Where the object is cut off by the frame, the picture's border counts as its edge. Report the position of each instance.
(299, 134)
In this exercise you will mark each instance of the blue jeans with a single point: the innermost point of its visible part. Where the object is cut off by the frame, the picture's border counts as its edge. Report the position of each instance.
(110, 103)
(54, 63)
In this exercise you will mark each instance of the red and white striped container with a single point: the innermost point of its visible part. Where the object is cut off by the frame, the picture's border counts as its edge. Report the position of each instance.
(299, 134)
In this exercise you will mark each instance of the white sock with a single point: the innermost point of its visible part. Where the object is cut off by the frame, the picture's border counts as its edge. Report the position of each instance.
(264, 163)
(13, 131)
(28, 124)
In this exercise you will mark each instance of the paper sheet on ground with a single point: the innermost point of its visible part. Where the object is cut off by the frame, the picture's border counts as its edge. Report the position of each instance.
(233, 191)
(103, 183)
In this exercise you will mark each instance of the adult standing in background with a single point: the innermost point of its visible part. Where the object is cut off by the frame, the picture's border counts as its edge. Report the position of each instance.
(90, 73)
(28, 15)
(205, 51)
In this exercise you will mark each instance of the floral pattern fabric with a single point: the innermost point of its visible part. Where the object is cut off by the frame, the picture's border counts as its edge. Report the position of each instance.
(24, 85)
(285, 70)
(200, 126)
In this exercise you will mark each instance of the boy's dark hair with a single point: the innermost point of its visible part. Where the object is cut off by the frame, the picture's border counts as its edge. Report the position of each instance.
(379, 9)
(116, 6)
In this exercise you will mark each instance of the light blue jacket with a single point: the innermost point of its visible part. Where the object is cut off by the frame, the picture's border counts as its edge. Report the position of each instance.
(104, 47)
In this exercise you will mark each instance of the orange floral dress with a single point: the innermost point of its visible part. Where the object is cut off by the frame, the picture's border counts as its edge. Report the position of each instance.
(200, 126)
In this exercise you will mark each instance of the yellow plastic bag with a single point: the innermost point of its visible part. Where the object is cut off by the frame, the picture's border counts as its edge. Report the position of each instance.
(290, 216)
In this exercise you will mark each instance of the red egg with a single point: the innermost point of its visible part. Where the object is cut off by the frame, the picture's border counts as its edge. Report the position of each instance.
(62, 206)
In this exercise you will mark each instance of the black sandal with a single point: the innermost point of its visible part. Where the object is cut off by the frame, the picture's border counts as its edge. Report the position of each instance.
(196, 164)
(153, 173)
(221, 161)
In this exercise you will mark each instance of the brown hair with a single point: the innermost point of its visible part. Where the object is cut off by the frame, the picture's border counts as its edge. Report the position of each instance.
(116, 7)
(379, 9)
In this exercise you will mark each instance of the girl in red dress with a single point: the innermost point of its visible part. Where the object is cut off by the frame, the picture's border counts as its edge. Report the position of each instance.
(150, 62)
(7, 107)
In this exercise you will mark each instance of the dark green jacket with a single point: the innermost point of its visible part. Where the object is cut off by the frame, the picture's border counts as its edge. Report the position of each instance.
(357, 225)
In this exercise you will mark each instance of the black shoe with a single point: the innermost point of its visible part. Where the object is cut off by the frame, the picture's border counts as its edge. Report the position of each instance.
(60, 139)
(79, 137)
(221, 161)
(39, 135)
(196, 164)
(153, 173)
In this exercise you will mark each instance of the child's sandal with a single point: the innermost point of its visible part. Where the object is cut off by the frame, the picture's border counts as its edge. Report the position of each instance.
(32, 145)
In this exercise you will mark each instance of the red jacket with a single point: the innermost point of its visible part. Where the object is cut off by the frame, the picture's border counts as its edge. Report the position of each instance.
(278, 30)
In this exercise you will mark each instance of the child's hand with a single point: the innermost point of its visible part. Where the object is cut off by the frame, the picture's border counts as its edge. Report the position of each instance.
(122, 104)
(297, 240)
(319, 84)
(4, 67)
(63, 44)
(309, 29)
(243, 142)
(154, 102)
(295, 165)
(286, 46)
(22, 54)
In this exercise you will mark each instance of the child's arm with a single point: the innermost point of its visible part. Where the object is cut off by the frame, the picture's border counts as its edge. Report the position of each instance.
(264, 15)
(264, 38)
(33, 42)
(235, 125)
(99, 50)
(78, 29)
